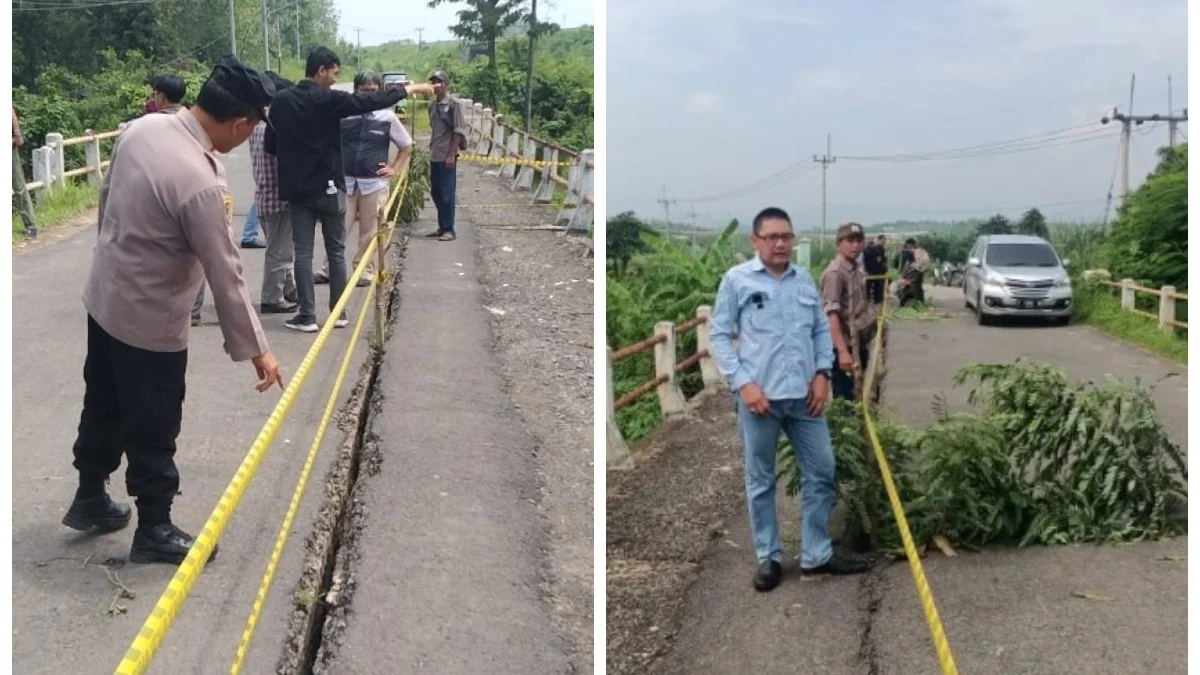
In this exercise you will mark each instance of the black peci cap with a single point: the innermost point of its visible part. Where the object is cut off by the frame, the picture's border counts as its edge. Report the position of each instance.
(439, 75)
(243, 82)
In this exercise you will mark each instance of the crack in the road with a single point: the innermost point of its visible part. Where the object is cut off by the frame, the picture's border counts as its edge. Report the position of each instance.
(871, 590)
(326, 585)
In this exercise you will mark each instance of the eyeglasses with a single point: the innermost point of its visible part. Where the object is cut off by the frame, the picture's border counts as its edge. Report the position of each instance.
(786, 238)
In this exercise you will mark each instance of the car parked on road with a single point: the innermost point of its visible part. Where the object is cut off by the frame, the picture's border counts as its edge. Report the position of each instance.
(1016, 275)
(394, 79)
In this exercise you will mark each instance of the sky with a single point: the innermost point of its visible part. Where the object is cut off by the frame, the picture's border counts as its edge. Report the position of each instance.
(387, 20)
(706, 99)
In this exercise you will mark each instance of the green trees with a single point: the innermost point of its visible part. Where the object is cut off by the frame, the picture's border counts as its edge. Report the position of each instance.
(1033, 223)
(1149, 239)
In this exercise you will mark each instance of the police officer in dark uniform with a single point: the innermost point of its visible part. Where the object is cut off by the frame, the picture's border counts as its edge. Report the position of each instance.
(165, 225)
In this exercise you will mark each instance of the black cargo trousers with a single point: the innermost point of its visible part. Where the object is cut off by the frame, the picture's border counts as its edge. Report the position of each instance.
(132, 404)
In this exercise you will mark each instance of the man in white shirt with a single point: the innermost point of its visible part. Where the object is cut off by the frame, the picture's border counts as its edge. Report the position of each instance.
(365, 140)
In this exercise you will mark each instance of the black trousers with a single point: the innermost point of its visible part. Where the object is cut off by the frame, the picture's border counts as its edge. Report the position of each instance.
(875, 290)
(843, 382)
(132, 403)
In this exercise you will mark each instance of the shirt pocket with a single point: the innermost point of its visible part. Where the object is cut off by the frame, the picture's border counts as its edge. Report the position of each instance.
(806, 307)
(760, 313)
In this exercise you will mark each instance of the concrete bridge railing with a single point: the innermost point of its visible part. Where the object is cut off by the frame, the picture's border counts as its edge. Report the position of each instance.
(1167, 297)
(49, 170)
(534, 165)
(665, 382)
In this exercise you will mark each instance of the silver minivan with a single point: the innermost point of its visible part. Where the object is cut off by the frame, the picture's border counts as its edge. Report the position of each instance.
(1017, 275)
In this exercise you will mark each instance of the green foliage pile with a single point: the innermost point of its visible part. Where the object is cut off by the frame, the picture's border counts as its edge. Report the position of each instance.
(1046, 462)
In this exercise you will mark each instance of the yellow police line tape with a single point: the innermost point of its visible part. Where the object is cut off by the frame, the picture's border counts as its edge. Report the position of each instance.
(484, 159)
(940, 644)
(149, 638)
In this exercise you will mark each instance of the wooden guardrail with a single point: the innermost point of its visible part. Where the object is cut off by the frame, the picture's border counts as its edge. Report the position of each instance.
(49, 170)
(1167, 297)
(495, 138)
(671, 400)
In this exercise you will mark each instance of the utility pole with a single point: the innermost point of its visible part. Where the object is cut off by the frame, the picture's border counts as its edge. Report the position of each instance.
(420, 36)
(266, 36)
(692, 212)
(1170, 111)
(824, 160)
(358, 50)
(232, 30)
(529, 73)
(297, 32)
(666, 209)
(1127, 121)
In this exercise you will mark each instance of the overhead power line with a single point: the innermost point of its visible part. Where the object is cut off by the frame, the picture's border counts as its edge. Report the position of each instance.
(1049, 139)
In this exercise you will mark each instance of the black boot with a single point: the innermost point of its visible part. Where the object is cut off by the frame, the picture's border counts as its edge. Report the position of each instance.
(98, 511)
(768, 576)
(162, 543)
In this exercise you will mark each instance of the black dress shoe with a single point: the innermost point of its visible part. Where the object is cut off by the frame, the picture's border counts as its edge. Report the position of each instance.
(99, 512)
(768, 576)
(163, 543)
(838, 565)
(257, 243)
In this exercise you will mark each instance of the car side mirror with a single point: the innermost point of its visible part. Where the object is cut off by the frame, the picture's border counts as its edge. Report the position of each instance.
(973, 262)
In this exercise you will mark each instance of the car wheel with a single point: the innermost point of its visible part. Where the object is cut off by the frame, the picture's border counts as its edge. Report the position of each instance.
(979, 314)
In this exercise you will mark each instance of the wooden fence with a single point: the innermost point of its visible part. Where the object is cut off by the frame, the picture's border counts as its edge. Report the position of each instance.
(1167, 297)
(49, 170)
(671, 400)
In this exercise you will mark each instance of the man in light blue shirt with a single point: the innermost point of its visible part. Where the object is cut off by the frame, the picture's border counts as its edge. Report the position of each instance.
(780, 375)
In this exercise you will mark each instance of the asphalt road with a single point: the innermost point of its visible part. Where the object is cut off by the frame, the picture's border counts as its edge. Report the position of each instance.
(1004, 610)
(60, 621)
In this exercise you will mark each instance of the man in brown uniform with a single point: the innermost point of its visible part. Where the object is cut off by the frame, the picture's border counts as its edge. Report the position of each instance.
(165, 224)
(851, 317)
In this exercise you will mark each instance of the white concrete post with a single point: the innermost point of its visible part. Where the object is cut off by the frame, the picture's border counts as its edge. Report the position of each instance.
(1166, 309)
(468, 115)
(617, 455)
(96, 175)
(581, 216)
(1127, 294)
(524, 179)
(54, 141)
(512, 150)
(670, 398)
(485, 129)
(42, 173)
(708, 365)
(573, 172)
(500, 136)
(545, 189)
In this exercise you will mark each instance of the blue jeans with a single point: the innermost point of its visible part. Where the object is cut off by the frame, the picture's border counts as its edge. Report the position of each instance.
(251, 228)
(331, 211)
(442, 183)
(813, 446)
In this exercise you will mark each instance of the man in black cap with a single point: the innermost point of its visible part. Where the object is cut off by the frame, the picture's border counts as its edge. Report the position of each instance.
(448, 125)
(165, 229)
(305, 134)
(851, 316)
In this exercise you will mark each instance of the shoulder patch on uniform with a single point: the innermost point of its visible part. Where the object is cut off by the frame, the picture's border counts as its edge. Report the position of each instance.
(228, 209)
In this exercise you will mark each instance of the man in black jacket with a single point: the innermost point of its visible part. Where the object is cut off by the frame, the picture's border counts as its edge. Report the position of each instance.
(304, 134)
(875, 264)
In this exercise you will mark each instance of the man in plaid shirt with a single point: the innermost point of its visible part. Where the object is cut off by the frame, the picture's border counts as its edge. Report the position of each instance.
(279, 279)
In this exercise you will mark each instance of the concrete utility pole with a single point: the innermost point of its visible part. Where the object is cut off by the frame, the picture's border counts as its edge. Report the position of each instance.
(232, 30)
(1170, 111)
(824, 160)
(692, 212)
(666, 209)
(1127, 122)
(420, 36)
(266, 36)
(358, 50)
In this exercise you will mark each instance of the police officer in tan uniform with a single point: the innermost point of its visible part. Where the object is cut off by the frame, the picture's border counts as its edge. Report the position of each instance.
(851, 317)
(165, 225)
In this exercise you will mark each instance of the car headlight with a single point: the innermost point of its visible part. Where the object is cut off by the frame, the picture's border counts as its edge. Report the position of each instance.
(993, 278)
(1063, 282)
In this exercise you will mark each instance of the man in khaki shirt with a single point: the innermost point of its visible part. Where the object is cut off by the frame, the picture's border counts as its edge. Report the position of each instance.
(851, 317)
(165, 224)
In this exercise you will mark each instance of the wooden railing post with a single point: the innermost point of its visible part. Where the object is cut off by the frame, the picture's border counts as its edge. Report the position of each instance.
(670, 398)
(1166, 309)
(617, 455)
(96, 175)
(1127, 294)
(54, 141)
(708, 365)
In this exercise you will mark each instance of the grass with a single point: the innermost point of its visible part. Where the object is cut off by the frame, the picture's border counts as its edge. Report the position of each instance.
(60, 207)
(1100, 307)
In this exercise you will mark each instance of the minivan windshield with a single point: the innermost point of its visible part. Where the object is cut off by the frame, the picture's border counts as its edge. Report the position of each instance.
(1021, 255)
